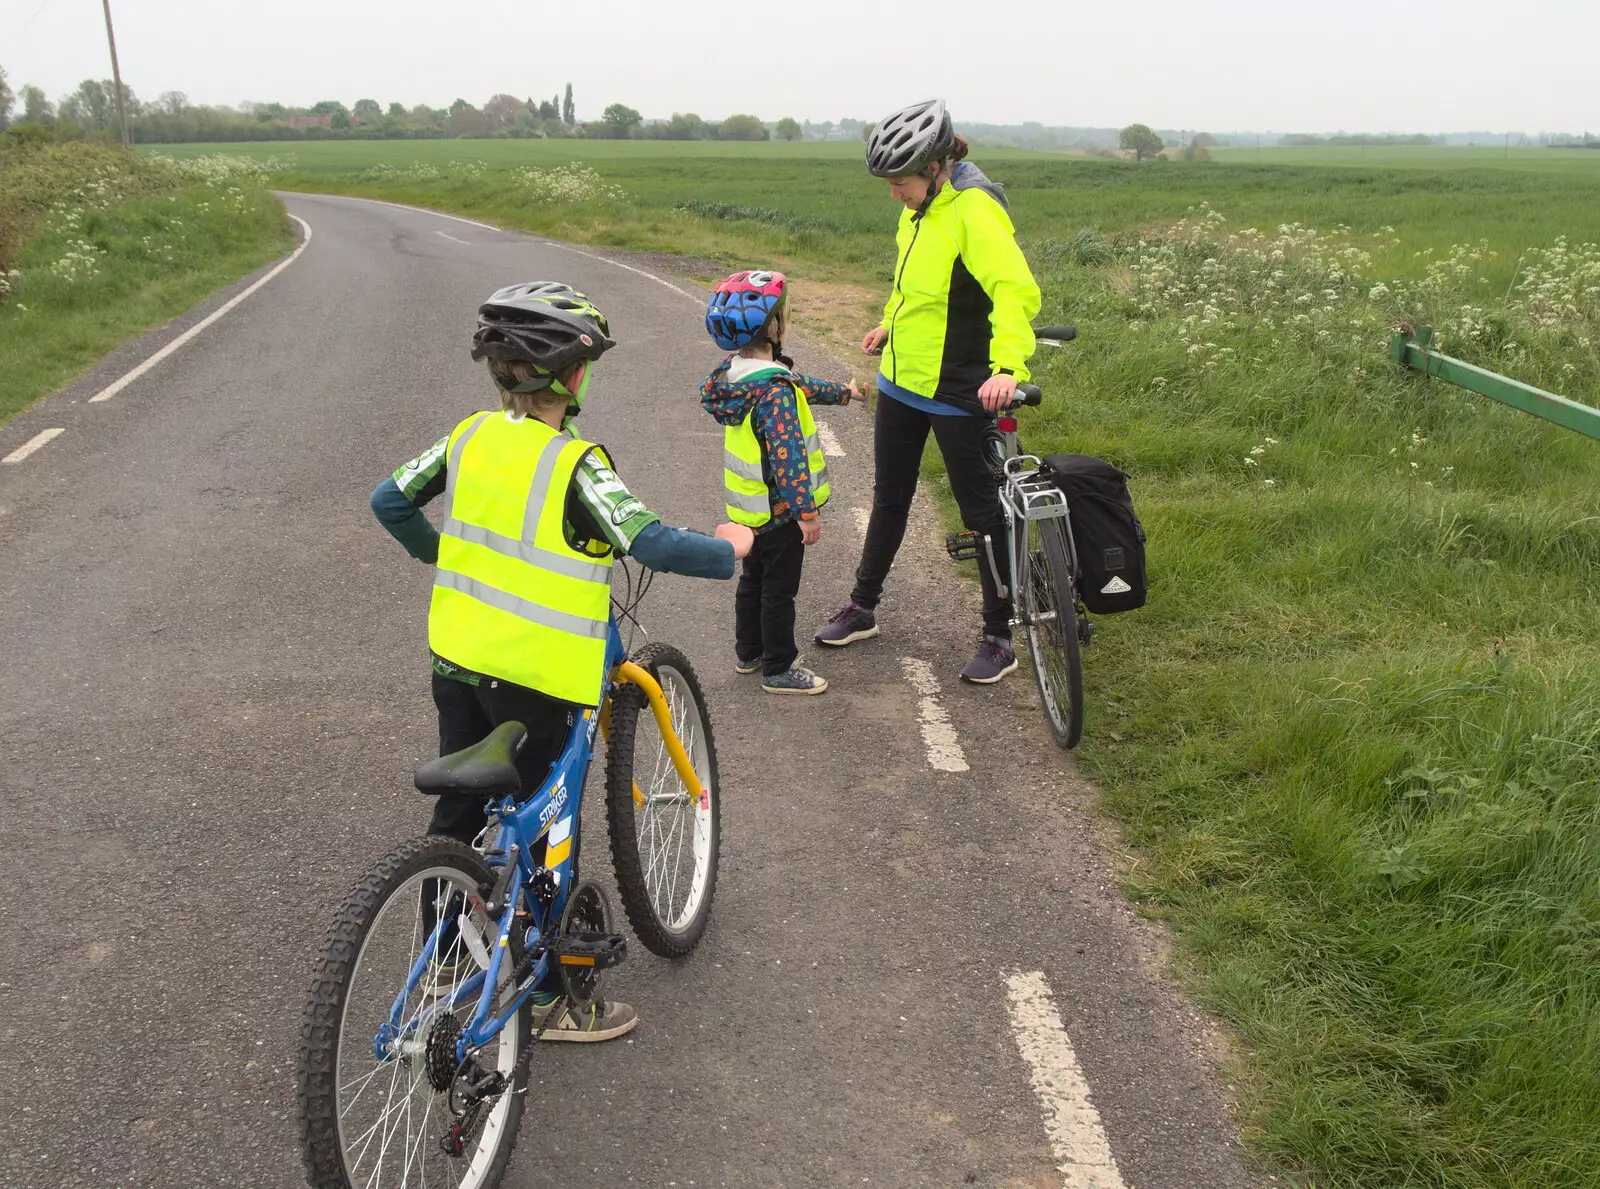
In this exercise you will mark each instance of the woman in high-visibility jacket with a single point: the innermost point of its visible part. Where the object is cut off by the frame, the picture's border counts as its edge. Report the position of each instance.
(955, 339)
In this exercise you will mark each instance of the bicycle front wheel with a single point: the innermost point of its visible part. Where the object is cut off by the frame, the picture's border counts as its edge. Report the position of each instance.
(664, 837)
(1050, 607)
(379, 1085)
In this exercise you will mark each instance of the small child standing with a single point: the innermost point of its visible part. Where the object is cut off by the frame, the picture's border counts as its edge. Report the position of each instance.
(773, 469)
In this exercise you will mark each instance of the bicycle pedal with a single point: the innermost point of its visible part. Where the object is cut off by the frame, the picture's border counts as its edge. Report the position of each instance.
(599, 950)
(963, 546)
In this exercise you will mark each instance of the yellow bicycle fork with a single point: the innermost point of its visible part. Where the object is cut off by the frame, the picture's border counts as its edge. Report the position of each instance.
(628, 671)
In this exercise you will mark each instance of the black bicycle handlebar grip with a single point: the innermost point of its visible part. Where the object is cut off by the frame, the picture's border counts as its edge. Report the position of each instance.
(1028, 394)
(1061, 334)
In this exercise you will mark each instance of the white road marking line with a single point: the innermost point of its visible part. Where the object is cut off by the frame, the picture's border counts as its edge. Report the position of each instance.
(863, 517)
(405, 206)
(938, 735)
(650, 276)
(549, 243)
(117, 386)
(1077, 1137)
(830, 444)
(43, 438)
(451, 238)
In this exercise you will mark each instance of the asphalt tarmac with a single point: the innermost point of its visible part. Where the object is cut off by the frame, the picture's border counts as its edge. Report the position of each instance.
(216, 687)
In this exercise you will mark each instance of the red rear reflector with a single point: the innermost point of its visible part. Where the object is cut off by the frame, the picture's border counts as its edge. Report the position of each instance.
(1007, 424)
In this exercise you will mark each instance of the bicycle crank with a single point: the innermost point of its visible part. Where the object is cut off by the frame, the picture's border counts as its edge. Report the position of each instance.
(973, 546)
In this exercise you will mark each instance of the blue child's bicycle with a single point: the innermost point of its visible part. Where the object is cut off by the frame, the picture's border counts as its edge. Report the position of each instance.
(421, 1015)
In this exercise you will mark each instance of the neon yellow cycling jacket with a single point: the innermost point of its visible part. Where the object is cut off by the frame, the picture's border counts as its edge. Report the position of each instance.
(964, 298)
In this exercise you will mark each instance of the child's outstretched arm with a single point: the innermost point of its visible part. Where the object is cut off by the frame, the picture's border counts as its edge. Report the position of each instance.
(826, 392)
(632, 530)
(397, 502)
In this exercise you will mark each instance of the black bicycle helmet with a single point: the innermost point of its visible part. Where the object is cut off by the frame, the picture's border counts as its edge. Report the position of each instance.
(545, 323)
(909, 140)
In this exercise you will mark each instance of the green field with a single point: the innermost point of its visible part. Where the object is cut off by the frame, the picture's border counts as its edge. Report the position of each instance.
(824, 209)
(1355, 736)
(1521, 159)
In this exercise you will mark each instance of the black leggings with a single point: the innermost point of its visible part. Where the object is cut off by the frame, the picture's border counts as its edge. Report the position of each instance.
(899, 435)
(467, 713)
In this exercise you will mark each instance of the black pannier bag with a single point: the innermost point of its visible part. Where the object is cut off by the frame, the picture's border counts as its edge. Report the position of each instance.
(1108, 536)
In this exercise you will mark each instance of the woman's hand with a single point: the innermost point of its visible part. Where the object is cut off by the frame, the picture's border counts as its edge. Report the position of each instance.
(997, 392)
(810, 531)
(872, 344)
(741, 537)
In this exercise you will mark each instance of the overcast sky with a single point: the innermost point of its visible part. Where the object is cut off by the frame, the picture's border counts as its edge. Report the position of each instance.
(1355, 65)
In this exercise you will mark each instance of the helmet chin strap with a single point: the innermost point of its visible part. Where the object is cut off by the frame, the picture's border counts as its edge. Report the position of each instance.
(933, 188)
(574, 399)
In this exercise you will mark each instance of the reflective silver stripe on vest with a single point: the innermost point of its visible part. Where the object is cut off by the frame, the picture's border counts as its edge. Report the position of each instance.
(539, 489)
(745, 470)
(814, 450)
(526, 551)
(452, 463)
(756, 505)
(561, 621)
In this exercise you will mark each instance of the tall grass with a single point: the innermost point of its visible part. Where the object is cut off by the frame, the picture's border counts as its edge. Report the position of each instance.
(97, 244)
(1354, 735)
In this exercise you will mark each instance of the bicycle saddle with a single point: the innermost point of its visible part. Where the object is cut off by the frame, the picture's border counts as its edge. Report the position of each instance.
(486, 769)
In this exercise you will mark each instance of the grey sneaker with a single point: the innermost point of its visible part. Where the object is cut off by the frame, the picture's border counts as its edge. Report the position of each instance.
(597, 1021)
(852, 623)
(995, 659)
(746, 667)
(795, 681)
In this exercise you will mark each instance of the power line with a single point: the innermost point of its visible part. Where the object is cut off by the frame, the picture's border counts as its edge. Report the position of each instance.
(23, 28)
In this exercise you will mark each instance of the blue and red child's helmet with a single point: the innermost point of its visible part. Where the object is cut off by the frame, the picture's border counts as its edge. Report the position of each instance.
(741, 306)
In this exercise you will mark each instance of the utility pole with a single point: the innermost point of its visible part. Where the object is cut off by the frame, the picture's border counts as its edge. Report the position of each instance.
(116, 78)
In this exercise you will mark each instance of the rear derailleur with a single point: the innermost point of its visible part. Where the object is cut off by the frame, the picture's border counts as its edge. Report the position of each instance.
(474, 1089)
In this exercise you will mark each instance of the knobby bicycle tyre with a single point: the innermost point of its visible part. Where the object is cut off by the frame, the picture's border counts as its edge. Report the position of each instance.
(654, 822)
(324, 1144)
(1052, 613)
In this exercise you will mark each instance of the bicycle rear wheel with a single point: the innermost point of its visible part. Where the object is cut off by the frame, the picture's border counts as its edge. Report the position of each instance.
(664, 837)
(1050, 607)
(375, 1097)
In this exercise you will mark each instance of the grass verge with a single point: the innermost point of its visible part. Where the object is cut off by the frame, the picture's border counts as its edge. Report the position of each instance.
(1355, 734)
(103, 246)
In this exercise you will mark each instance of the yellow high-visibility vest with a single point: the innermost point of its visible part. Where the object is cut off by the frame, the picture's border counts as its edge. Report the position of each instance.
(748, 499)
(511, 598)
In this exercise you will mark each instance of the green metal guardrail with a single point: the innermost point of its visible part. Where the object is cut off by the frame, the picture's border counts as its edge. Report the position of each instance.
(1413, 350)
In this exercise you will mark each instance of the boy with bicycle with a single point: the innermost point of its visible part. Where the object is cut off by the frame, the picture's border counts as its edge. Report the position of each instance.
(534, 516)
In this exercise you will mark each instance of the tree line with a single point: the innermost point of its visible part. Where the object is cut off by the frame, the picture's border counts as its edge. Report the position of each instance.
(90, 111)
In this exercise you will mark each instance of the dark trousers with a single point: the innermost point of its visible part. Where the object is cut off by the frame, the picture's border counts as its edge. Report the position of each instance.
(467, 713)
(763, 608)
(899, 434)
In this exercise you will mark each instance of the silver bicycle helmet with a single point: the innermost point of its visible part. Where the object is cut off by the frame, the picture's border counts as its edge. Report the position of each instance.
(546, 323)
(907, 141)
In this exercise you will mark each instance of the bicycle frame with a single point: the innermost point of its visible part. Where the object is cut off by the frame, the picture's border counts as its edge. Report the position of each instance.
(551, 818)
(1025, 496)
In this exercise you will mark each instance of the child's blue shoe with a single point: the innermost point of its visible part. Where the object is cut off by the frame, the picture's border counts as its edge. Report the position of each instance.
(744, 666)
(795, 681)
